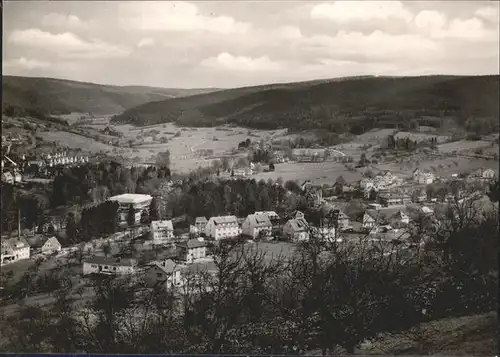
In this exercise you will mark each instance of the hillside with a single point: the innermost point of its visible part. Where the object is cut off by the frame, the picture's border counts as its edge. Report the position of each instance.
(56, 96)
(355, 104)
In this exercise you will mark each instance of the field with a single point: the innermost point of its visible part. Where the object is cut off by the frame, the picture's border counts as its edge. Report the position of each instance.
(318, 173)
(420, 136)
(183, 143)
(463, 145)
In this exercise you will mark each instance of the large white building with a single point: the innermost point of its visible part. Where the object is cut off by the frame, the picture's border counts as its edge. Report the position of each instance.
(162, 232)
(139, 202)
(222, 227)
(14, 249)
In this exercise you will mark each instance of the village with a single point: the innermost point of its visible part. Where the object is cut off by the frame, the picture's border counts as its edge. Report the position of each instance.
(388, 205)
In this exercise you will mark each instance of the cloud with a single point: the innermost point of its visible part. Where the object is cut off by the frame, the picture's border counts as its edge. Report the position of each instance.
(430, 19)
(435, 25)
(24, 63)
(146, 42)
(241, 63)
(62, 20)
(66, 45)
(490, 13)
(290, 33)
(377, 46)
(176, 16)
(346, 11)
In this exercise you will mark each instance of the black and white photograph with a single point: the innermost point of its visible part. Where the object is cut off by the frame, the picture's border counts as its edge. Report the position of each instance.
(250, 177)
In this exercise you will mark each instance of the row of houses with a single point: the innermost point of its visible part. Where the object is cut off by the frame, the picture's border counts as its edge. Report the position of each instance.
(18, 248)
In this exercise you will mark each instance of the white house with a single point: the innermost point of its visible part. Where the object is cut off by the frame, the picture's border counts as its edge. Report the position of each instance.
(222, 227)
(7, 177)
(162, 232)
(138, 202)
(14, 249)
(108, 266)
(51, 245)
(421, 177)
(369, 220)
(488, 174)
(165, 272)
(191, 250)
(256, 225)
(200, 223)
(401, 217)
(296, 230)
(426, 210)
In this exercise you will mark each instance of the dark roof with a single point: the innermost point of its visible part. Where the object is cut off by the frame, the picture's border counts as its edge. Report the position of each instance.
(111, 261)
(193, 243)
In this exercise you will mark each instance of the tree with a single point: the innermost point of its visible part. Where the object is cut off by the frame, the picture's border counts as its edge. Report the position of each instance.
(71, 230)
(494, 191)
(154, 213)
(106, 249)
(131, 215)
(163, 158)
(373, 195)
(363, 160)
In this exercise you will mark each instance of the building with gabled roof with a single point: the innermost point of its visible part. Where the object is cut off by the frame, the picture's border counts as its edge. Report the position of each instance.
(50, 245)
(297, 230)
(192, 250)
(256, 225)
(162, 232)
(222, 227)
(14, 249)
(166, 272)
(200, 223)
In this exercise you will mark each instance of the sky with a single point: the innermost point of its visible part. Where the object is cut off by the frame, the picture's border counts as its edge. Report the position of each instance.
(228, 44)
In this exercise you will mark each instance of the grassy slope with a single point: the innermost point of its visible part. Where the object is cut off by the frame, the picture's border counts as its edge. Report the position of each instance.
(475, 335)
(53, 96)
(322, 104)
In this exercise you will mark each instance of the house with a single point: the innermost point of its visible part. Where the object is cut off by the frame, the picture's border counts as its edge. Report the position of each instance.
(222, 227)
(200, 223)
(191, 250)
(388, 199)
(299, 215)
(422, 177)
(309, 155)
(370, 219)
(166, 272)
(109, 266)
(343, 221)
(296, 230)
(426, 210)
(51, 245)
(242, 172)
(488, 174)
(14, 249)
(7, 177)
(400, 217)
(162, 232)
(257, 225)
(274, 218)
(139, 203)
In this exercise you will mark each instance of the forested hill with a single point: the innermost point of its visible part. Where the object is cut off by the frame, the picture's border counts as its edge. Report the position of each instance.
(355, 104)
(46, 96)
